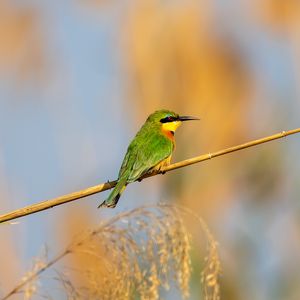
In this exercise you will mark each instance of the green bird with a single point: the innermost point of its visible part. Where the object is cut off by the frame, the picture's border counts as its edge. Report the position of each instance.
(150, 150)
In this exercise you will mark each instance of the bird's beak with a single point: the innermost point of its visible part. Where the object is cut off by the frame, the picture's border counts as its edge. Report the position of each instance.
(187, 118)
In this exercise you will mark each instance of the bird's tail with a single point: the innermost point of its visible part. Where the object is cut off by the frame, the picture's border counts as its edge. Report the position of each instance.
(115, 195)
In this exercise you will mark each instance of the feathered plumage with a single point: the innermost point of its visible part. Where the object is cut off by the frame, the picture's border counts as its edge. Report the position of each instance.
(151, 148)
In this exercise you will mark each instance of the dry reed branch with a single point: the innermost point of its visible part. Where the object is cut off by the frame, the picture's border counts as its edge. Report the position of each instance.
(34, 208)
(142, 250)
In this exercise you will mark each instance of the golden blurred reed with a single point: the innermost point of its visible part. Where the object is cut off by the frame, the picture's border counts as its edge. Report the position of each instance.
(177, 58)
(134, 254)
(21, 43)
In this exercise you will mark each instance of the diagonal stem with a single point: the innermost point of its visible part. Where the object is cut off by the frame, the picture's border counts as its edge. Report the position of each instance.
(37, 207)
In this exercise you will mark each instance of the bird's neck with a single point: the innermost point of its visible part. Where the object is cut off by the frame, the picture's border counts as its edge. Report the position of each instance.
(169, 134)
(168, 129)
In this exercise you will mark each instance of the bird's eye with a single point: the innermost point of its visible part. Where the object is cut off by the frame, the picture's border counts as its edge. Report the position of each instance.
(167, 119)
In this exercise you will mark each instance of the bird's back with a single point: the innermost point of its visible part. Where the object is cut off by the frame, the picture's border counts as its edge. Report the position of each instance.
(149, 147)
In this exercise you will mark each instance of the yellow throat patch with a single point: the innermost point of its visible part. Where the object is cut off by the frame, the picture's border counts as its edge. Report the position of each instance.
(170, 126)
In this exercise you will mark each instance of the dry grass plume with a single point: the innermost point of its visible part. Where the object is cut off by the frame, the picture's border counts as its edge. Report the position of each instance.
(135, 255)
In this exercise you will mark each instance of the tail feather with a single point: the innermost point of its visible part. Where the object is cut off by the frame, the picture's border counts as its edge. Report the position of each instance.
(115, 195)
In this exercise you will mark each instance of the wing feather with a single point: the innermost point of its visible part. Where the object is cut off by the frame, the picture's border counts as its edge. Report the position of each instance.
(143, 154)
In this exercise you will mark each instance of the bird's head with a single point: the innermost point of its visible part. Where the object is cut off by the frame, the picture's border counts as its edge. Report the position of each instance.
(168, 120)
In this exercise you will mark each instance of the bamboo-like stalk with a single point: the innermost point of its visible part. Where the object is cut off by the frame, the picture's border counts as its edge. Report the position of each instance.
(30, 209)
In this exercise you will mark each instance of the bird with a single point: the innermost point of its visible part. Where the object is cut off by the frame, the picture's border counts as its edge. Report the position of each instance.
(150, 150)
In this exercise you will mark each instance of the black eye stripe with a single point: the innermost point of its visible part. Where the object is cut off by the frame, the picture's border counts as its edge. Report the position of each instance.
(167, 119)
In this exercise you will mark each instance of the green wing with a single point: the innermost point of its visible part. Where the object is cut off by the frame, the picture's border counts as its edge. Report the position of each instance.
(145, 152)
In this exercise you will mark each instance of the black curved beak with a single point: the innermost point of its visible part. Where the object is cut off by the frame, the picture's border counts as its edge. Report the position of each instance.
(187, 118)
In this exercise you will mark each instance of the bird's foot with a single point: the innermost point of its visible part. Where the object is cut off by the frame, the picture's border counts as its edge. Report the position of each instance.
(108, 205)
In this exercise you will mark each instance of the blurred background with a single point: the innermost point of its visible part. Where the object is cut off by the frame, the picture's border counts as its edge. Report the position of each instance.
(78, 78)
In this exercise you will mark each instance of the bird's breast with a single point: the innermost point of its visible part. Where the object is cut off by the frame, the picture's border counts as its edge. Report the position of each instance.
(169, 134)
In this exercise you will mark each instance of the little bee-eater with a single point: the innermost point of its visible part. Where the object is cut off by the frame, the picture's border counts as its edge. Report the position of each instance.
(151, 149)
